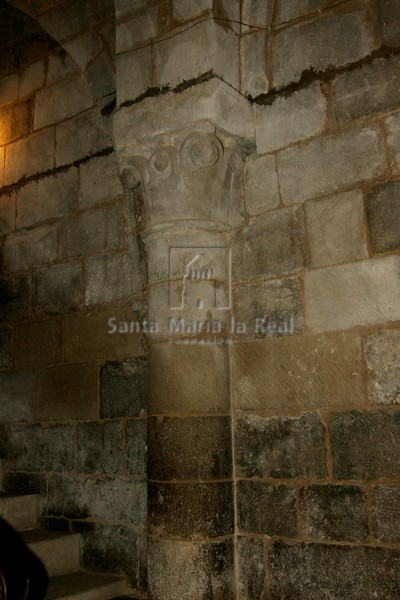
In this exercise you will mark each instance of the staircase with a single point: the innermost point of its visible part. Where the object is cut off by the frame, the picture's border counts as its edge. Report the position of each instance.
(59, 552)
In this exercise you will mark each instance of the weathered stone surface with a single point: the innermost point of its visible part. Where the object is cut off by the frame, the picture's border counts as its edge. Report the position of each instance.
(31, 155)
(334, 512)
(14, 298)
(302, 372)
(60, 192)
(267, 509)
(136, 447)
(288, 11)
(27, 249)
(268, 309)
(272, 244)
(385, 513)
(39, 448)
(123, 389)
(67, 392)
(318, 45)
(6, 347)
(9, 89)
(132, 32)
(327, 308)
(290, 119)
(15, 121)
(99, 447)
(37, 343)
(112, 277)
(205, 510)
(392, 125)
(330, 572)
(389, 18)
(251, 567)
(82, 136)
(336, 229)
(204, 47)
(372, 88)
(32, 79)
(382, 353)
(60, 65)
(171, 448)
(133, 74)
(16, 396)
(280, 447)
(188, 379)
(254, 63)
(365, 445)
(88, 336)
(119, 500)
(7, 211)
(114, 549)
(57, 289)
(262, 192)
(92, 231)
(62, 101)
(383, 214)
(99, 181)
(211, 567)
(68, 497)
(331, 163)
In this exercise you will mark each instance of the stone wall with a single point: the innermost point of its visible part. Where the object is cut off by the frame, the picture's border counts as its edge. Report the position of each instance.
(73, 393)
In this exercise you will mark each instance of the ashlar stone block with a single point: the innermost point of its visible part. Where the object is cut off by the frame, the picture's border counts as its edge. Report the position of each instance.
(62, 101)
(30, 155)
(57, 289)
(80, 137)
(385, 513)
(15, 122)
(133, 74)
(123, 388)
(16, 396)
(266, 509)
(262, 192)
(382, 353)
(389, 19)
(254, 63)
(99, 181)
(383, 215)
(30, 248)
(392, 125)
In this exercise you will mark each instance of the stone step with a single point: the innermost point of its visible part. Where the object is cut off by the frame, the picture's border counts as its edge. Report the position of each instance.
(85, 586)
(58, 551)
(19, 511)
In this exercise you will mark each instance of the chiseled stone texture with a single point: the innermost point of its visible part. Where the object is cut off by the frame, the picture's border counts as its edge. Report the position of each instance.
(171, 439)
(37, 343)
(251, 567)
(261, 178)
(67, 392)
(302, 372)
(328, 308)
(15, 295)
(133, 74)
(254, 63)
(280, 447)
(328, 572)
(389, 17)
(99, 447)
(392, 125)
(62, 101)
(211, 567)
(383, 215)
(16, 396)
(60, 191)
(267, 509)
(32, 248)
(123, 388)
(268, 309)
(272, 244)
(205, 510)
(365, 445)
(319, 44)
(31, 155)
(382, 353)
(43, 448)
(385, 513)
(334, 512)
(99, 181)
(80, 137)
(331, 163)
(290, 119)
(57, 289)
(188, 379)
(205, 47)
(372, 88)
(336, 229)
